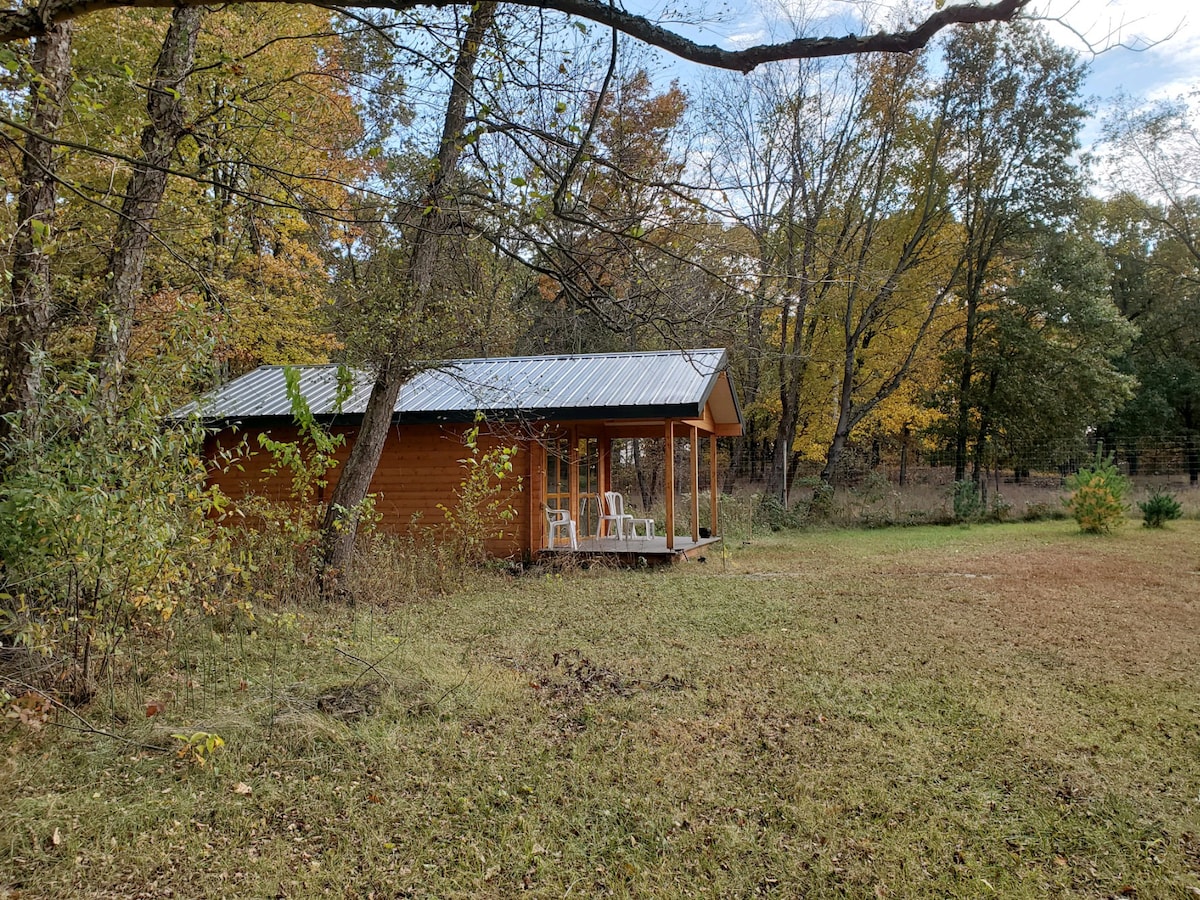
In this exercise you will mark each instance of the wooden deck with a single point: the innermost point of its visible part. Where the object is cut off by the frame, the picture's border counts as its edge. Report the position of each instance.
(654, 548)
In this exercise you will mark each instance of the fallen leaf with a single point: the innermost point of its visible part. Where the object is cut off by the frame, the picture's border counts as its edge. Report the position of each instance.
(154, 707)
(56, 838)
(242, 788)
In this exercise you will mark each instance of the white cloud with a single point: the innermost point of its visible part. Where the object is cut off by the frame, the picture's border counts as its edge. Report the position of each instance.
(747, 38)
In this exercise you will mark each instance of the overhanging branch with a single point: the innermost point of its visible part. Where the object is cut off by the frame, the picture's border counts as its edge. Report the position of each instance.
(16, 25)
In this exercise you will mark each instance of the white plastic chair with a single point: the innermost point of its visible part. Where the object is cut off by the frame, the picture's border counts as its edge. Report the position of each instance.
(607, 514)
(560, 520)
(616, 507)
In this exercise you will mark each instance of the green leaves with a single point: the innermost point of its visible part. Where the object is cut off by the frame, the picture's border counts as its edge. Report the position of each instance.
(9, 60)
(103, 527)
(485, 497)
(1159, 508)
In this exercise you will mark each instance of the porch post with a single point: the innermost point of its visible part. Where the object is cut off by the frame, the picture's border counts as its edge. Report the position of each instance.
(669, 479)
(573, 469)
(712, 480)
(536, 496)
(604, 476)
(694, 444)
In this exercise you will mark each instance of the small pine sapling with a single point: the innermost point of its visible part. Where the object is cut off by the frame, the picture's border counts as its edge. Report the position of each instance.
(1158, 509)
(1097, 495)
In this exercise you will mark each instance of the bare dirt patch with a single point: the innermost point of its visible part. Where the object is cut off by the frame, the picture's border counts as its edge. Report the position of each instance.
(1116, 609)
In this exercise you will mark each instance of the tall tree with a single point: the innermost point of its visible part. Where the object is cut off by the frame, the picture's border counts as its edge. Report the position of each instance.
(416, 282)
(1152, 226)
(1155, 282)
(30, 310)
(143, 196)
(751, 165)
(619, 246)
(1012, 96)
(1046, 350)
(841, 187)
(894, 265)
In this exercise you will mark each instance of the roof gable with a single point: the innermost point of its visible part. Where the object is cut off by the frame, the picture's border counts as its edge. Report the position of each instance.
(664, 384)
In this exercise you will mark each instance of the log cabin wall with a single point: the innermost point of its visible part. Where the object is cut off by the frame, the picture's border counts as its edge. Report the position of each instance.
(418, 470)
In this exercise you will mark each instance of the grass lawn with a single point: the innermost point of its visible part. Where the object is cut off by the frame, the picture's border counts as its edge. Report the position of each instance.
(1008, 711)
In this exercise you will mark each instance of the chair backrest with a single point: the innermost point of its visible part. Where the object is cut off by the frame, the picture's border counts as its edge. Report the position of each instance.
(615, 503)
(555, 516)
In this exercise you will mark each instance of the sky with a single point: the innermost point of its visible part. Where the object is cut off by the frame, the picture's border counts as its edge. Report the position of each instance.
(1148, 49)
(1144, 48)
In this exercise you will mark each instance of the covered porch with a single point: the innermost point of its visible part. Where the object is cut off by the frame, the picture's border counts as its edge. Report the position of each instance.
(573, 469)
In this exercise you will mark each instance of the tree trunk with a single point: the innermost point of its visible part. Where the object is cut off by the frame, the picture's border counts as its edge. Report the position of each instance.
(647, 475)
(752, 383)
(793, 367)
(966, 374)
(29, 318)
(339, 528)
(841, 432)
(143, 196)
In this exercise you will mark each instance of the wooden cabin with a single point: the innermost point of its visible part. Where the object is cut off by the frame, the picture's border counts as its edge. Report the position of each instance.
(562, 413)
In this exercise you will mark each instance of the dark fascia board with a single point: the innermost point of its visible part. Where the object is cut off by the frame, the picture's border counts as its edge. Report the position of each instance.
(581, 414)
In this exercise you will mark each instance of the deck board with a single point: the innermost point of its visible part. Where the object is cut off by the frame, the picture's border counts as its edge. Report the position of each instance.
(637, 546)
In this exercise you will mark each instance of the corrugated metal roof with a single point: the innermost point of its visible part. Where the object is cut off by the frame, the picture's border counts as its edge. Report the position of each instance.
(591, 386)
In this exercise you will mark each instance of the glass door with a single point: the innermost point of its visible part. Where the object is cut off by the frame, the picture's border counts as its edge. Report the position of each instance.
(589, 486)
(583, 472)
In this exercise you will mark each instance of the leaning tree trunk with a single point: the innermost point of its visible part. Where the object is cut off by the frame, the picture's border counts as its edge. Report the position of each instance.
(339, 528)
(143, 197)
(29, 318)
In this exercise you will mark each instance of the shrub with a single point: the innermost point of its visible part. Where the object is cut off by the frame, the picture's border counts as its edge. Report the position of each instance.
(1097, 498)
(105, 527)
(820, 506)
(1037, 511)
(967, 502)
(1158, 509)
(279, 539)
(770, 511)
(816, 508)
(484, 501)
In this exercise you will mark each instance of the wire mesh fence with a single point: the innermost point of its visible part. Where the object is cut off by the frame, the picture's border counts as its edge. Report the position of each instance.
(1171, 460)
(880, 484)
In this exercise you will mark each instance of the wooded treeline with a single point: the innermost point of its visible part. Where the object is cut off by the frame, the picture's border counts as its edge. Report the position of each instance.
(902, 248)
